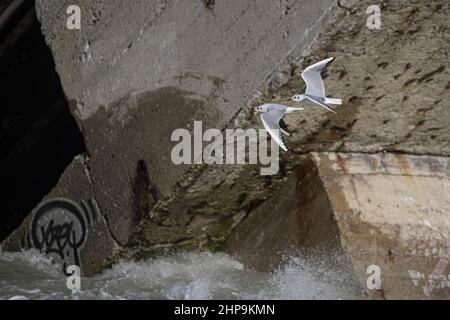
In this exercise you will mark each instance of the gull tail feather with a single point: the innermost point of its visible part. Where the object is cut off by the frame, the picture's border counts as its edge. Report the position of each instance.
(292, 110)
(323, 105)
(337, 102)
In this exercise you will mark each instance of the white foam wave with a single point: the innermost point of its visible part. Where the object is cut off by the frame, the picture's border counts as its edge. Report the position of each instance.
(29, 275)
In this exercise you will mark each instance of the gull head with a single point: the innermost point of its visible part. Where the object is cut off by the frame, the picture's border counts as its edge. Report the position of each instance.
(261, 109)
(297, 98)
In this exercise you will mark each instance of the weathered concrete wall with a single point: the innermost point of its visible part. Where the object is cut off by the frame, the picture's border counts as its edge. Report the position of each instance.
(394, 82)
(387, 210)
(298, 215)
(392, 211)
(216, 193)
(137, 70)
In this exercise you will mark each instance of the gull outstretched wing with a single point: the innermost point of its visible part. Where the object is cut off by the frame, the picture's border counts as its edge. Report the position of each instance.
(313, 78)
(271, 121)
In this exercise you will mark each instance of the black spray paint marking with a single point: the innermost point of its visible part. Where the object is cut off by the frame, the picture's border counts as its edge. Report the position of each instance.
(59, 229)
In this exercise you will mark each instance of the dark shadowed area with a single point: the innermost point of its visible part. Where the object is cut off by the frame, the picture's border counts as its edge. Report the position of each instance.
(38, 135)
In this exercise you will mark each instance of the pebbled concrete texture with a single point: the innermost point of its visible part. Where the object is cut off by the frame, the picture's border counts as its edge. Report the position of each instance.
(134, 46)
(394, 82)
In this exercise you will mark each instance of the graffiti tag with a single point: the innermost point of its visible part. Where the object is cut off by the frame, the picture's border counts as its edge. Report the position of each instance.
(59, 229)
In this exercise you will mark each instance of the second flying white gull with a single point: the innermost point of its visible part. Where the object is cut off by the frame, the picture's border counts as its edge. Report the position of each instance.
(315, 88)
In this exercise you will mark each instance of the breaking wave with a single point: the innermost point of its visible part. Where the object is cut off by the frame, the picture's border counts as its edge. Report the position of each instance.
(29, 275)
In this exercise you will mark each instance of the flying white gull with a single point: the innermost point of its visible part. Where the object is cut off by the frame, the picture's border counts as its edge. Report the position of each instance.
(272, 120)
(315, 88)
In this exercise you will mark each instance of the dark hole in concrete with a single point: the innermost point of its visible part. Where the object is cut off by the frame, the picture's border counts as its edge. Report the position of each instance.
(38, 135)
